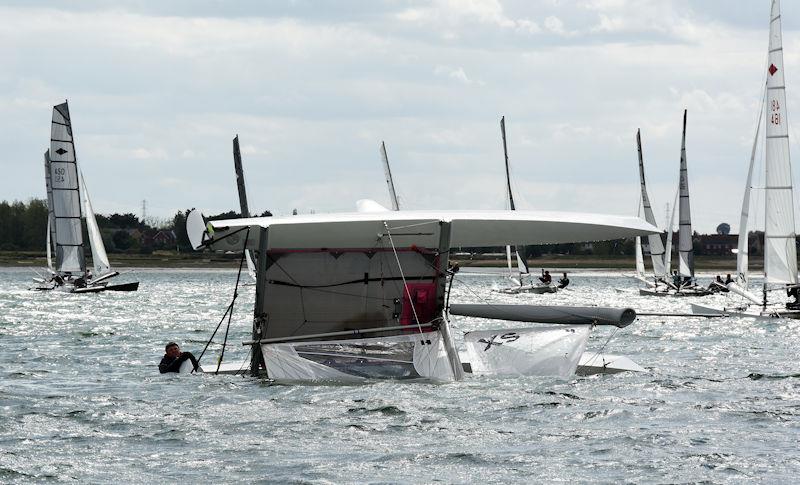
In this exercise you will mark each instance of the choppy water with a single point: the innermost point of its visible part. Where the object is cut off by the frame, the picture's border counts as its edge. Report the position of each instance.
(81, 399)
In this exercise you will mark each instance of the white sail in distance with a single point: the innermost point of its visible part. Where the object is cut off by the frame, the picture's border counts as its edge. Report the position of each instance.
(742, 251)
(780, 256)
(670, 225)
(639, 258)
(685, 250)
(66, 194)
(654, 241)
(387, 172)
(99, 256)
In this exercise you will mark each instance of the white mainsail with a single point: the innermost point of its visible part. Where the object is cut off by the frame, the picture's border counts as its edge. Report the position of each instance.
(66, 194)
(780, 256)
(685, 250)
(670, 225)
(742, 252)
(99, 256)
(640, 273)
(656, 245)
(387, 172)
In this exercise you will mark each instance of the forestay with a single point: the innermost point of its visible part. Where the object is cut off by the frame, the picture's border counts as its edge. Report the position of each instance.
(780, 257)
(66, 194)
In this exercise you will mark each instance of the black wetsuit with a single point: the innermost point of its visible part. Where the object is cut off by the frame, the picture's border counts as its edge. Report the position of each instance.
(169, 364)
(563, 282)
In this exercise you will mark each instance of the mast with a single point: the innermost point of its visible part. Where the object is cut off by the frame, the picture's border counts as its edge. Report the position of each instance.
(387, 173)
(656, 245)
(66, 194)
(780, 256)
(685, 250)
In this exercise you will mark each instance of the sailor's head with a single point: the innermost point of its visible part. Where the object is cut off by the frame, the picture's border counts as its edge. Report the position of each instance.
(546, 272)
(172, 349)
(565, 275)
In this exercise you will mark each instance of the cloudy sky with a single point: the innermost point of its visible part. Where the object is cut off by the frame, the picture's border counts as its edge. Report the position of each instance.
(157, 90)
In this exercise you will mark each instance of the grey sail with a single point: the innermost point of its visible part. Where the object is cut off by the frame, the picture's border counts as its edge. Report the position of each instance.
(387, 172)
(66, 194)
(685, 251)
(654, 242)
(245, 210)
(51, 223)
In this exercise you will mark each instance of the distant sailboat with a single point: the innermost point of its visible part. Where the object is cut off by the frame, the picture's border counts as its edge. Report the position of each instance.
(245, 210)
(518, 276)
(780, 254)
(69, 204)
(685, 284)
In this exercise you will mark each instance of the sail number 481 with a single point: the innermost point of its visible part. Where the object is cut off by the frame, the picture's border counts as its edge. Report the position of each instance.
(775, 117)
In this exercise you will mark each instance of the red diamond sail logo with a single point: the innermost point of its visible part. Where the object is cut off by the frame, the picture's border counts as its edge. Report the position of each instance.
(772, 69)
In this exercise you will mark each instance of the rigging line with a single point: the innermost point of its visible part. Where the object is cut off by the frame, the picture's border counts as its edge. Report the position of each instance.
(598, 354)
(414, 225)
(235, 294)
(405, 285)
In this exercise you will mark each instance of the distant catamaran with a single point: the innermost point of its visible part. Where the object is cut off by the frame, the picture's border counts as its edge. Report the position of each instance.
(780, 254)
(518, 276)
(68, 204)
(684, 284)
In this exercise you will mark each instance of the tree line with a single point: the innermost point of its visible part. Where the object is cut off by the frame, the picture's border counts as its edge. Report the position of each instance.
(23, 227)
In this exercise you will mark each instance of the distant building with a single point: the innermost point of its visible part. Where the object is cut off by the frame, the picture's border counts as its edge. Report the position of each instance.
(164, 239)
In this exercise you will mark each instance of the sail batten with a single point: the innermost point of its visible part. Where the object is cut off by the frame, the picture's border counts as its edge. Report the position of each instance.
(780, 255)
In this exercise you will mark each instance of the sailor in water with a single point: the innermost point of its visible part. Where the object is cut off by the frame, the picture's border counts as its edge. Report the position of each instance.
(545, 278)
(563, 282)
(174, 358)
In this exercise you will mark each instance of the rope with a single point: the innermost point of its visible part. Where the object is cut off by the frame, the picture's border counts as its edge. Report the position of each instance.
(235, 294)
(405, 285)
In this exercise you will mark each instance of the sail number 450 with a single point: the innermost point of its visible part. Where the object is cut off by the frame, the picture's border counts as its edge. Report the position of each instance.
(60, 173)
(775, 117)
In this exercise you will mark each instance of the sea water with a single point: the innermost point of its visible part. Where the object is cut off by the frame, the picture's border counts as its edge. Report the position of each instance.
(81, 398)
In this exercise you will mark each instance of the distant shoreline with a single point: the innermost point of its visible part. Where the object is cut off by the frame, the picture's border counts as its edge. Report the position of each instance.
(172, 259)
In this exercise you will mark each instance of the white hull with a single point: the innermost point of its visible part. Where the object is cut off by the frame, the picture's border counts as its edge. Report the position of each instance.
(674, 293)
(746, 312)
(535, 289)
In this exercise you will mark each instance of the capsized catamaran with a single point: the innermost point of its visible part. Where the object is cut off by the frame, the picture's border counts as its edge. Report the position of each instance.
(780, 254)
(683, 283)
(355, 296)
(69, 204)
(518, 276)
(245, 209)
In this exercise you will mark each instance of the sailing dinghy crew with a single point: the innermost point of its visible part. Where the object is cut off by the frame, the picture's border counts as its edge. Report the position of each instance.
(563, 282)
(546, 278)
(174, 358)
(728, 279)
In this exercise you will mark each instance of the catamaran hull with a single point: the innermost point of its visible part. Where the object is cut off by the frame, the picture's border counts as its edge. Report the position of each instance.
(769, 314)
(681, 293)
(535, 289)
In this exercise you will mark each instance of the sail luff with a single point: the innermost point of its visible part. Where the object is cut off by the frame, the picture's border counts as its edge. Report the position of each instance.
(639, 258)
(99, 257)
(49, 252)
(780, 255)
(742, 253)
(387, 173)
(654, 242)
(66, 194)
(685, 250)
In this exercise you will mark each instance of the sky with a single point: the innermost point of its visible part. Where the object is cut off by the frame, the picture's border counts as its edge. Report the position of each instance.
(157, 91)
